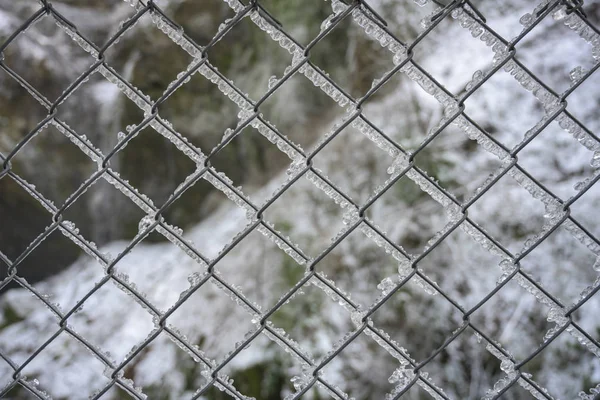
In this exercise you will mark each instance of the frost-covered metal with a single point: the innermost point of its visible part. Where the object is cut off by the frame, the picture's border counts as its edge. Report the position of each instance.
(410, 372)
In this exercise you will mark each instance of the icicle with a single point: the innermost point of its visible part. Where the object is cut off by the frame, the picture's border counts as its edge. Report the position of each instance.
(477, 77)
(526, 20)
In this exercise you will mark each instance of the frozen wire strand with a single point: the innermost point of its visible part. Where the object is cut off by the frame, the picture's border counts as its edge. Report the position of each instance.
(550, 119)
(538, 131)
(565, 208)
(510, 46)
(140, 237)
(487, 135)
(81, 302)
(537, 243)
(55, 310)
(74, 196)
(349, 302)
(466, 96)
(514, 154)
(63, 320)
(64, 327)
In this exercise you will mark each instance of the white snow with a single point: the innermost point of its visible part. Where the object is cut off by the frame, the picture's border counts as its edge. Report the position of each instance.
(465, 270)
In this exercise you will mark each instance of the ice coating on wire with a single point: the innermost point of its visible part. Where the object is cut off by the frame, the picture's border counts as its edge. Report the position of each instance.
(400, 165)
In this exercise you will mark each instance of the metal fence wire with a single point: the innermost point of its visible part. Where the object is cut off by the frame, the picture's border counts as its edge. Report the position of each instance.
(411, 372)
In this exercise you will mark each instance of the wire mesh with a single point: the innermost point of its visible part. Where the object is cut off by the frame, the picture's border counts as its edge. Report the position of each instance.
(410, 372)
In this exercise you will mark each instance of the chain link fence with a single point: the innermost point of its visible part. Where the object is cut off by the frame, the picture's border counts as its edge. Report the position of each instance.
(401, 161)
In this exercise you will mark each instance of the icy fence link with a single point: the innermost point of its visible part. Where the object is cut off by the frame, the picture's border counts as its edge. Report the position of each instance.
(401, 164)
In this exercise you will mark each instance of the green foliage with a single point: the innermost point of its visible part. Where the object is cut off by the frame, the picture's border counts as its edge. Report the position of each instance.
(291, 273)
(10, 316)
(265, 380)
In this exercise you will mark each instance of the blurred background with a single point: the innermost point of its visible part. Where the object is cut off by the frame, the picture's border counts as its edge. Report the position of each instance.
(50, 60)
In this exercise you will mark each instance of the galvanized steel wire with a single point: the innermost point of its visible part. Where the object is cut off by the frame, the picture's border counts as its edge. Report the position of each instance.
(362, 14)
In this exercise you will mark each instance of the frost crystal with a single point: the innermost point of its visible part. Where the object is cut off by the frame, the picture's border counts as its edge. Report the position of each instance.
(386, 285)
(199, 272)
(145, 223)
(526, 20)
(577, 73)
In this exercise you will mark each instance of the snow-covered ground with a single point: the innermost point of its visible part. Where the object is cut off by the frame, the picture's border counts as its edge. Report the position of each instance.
(464, 266)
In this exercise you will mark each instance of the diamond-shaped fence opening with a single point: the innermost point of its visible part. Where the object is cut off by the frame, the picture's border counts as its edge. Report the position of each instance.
(309, 199)
(574, 373)
(224, 314)
(247, 160)
(574, 270)
(23, 115)
(333, 53)
(535, 45)
(102, 103)
(97, 315)
(419, 216)
(257, 282)
(161, 257)
(410, 330)
(104, 195)
(90, 375)
(528, 321)
(453, 73)
(501, 87)
(577, 97)
(509, 227)
(321, 107)
(357, 183)
(170, 173)
(309, 303)
(371, 375)
(328, 211)
(465, 159)
(554, 143)
(446, 264)
(54, 188)
(338, 265)
(43, 59)
(478, 359)
(231, 57)
(145, 33)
